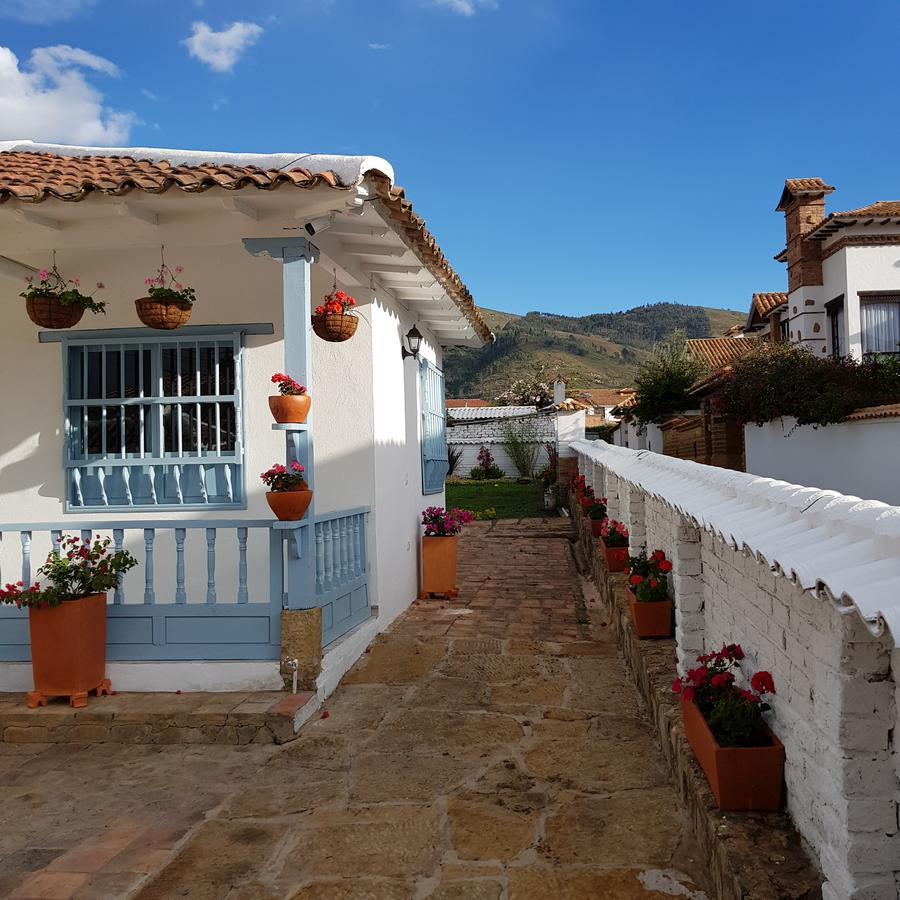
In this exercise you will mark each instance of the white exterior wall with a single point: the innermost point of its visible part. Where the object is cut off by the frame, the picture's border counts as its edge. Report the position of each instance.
(397, 485)
(856, 269)
(854, 458)
(836, 704)
(469, 459)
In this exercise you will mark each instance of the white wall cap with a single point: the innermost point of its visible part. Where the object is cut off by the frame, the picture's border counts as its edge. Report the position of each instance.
(837, 546)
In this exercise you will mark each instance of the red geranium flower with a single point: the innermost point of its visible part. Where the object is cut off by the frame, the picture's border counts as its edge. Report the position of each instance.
(763, 683)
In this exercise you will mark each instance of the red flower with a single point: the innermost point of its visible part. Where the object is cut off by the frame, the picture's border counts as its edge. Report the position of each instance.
(665, 565)
(733, 651)
(676, 686)
(657, 555)
(722, 680)
(697, 676)
(689, 693)
(635, 580)
(762, 683)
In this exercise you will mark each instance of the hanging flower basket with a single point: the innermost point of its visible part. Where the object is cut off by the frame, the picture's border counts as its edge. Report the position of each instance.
(47, 311)
(170, 303)
(334, 321)
(57, 302)
(163, 315)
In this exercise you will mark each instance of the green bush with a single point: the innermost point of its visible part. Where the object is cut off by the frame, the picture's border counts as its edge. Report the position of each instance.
(776, 380)
(662, 381)
(494, 473)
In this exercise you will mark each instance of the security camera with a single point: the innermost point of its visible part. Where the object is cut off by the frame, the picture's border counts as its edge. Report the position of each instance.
(320, 223)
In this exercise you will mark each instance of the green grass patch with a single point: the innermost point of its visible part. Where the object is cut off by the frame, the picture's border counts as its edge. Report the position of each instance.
(510, 500)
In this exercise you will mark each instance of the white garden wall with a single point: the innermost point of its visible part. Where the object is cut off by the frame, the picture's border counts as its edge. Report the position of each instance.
(753, 562)
(856, 458)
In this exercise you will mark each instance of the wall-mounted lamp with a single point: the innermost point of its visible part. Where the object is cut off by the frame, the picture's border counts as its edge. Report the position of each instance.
(413, 341)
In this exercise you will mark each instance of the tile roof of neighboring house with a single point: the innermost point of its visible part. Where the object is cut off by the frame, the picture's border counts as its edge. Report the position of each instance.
(597, 421)
(491, 412)
(718, 352)
(887, 411)
(570, 404)
(884, 212)
(466, 403)
(794, 187)
(711, 381)
(604, 396)
(733, 330)
(767, 302)
(72, 173)
(626, 404)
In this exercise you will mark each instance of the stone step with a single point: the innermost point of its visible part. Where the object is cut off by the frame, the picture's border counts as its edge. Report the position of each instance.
(264, 717)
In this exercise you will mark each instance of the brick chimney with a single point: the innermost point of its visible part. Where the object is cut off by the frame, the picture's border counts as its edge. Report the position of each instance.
(803, 205)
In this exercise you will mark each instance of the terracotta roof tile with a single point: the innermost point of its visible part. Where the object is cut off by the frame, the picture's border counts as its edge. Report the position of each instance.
(33, 177)
(604, 396)
(765, 303)
(880, 213)
(718, 352)
(887, 411)
(794, 187)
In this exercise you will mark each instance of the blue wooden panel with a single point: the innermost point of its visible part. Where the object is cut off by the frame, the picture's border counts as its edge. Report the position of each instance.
(434, 429)
(215, 630)
(344, 613)
(129, 630)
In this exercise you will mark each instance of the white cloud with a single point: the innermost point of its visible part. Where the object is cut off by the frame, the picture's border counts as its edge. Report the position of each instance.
(148, 94)
(221, 50)
(381, 46)
(466, 7)
(50, 98)
(40, 12)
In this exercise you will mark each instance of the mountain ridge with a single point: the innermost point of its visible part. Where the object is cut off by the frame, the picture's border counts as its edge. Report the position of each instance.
(593, 351)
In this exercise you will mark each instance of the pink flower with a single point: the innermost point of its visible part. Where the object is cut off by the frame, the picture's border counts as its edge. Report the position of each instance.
(179, 286)
(43, 274)
(148, 282)
(29, 279)
(179, 270)
(100, 285)
(76, 281)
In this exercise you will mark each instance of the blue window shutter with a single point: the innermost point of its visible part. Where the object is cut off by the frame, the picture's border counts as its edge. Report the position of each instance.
(434, 429)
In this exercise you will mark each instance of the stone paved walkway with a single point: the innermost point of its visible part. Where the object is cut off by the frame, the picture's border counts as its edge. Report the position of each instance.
(489, 748)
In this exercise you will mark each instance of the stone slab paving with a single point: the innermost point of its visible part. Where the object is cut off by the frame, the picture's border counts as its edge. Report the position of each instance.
(487, 748)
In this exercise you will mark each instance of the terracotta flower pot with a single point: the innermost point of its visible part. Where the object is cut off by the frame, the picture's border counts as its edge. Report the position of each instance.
(616, 557)
(651, 620)
(47, 312)
(289, 506)
(68, 650)
(741, 778)
(596, 525)
(163, 315)
(335, 329)
(439, 565)
(290, 408)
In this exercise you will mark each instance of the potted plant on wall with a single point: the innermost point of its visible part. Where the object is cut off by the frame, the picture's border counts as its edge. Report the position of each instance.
(67, 618)
(289, 495)
(57, 302)
(169, 303)
(724, 724)
(587, 499)
(334, 320)
(291, 404)
(597, 513)
(648, 594)
(614, 541)
(439, 550)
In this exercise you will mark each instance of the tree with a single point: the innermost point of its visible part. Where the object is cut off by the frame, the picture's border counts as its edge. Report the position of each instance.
(533, 390)
(663, 380)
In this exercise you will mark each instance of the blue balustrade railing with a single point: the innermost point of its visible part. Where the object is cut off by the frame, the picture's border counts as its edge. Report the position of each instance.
(204, 588)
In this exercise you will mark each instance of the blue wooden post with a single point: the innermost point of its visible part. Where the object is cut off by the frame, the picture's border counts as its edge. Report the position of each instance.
(297, 256)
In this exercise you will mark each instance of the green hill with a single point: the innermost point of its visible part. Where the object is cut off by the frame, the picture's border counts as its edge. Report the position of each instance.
(599, 350)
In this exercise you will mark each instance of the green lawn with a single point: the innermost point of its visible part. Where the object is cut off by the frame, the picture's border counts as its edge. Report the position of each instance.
(508, 499)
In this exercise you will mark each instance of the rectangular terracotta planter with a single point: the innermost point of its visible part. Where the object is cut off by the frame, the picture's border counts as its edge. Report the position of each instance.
(439, 565)
(616, 557)
(651, 620)
(741, 778)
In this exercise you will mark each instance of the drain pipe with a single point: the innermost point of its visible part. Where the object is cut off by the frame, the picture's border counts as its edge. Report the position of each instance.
(292, 665)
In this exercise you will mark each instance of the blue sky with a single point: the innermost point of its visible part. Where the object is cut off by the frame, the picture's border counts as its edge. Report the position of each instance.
(574, 156)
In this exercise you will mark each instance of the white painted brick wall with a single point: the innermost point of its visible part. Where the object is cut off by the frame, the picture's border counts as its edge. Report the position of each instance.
(837, 700)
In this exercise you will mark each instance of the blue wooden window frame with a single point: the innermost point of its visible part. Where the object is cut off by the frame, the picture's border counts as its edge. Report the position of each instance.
(168, 469)
(434, 429)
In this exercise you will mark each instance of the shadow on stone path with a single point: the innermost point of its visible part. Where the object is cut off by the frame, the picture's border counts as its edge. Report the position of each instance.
(484, 749)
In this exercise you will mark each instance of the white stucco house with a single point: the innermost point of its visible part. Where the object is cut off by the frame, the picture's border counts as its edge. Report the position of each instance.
(262, 238)
(843, 299)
